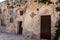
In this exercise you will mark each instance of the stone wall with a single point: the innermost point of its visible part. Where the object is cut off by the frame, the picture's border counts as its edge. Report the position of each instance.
(31, 18)
(32, 21)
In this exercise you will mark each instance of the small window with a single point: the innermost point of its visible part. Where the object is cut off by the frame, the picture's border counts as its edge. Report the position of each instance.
(21, 12)
(0, 11)
(11, 12)
(11, 20)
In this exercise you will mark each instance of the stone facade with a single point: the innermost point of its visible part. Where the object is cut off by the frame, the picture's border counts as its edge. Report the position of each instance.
(29, 12)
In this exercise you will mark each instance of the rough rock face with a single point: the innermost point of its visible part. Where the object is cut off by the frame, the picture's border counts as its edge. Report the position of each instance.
(29, 13)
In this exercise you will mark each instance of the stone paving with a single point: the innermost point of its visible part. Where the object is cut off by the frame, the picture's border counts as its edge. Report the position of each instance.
(5, 36)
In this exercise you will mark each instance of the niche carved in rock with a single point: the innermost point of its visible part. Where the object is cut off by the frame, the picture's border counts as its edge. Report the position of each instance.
(32, 14)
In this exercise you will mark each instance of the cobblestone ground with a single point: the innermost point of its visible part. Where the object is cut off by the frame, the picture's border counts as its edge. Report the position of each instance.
(5, 36)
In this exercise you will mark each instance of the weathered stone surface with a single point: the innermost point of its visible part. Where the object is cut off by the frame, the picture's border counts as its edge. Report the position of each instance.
(31, 18)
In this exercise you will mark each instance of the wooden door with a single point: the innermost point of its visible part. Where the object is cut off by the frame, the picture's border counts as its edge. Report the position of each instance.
(46, 27)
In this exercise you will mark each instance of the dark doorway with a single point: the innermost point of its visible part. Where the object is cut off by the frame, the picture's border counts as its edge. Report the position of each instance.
(20, 27)
(46, 27)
